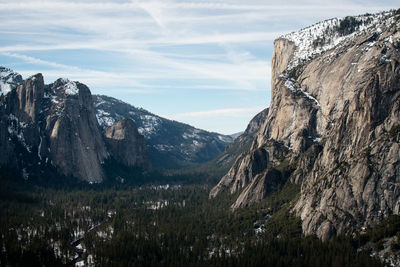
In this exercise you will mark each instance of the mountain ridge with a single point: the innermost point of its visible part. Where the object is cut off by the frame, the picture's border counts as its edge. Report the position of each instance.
(169, 142)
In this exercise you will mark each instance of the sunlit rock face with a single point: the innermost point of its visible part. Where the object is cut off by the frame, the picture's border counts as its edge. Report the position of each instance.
(333, 123)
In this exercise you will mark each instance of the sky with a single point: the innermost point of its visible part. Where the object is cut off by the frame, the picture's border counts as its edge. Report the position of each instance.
(205, 63)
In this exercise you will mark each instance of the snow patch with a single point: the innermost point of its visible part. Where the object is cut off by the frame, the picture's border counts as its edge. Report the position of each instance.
(101, 102)
(162, 147)
(5, 88)
(311, 97)
(260, 230)
(150, 125)
(70, 87)
(191, 135)
(104, 119)
(197, 143)
(290, 84)
(54, 100)
(39, 148)
(101, 112)
(9, 80)
(107, 233)
(16, 128)
(156, 205)
(80, 263)
(389, 39)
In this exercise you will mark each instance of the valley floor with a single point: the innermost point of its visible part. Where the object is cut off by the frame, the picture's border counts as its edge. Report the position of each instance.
(166, 225)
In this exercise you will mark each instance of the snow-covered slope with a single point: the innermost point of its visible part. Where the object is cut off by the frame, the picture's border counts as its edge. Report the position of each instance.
(325, 35)
(9, 80)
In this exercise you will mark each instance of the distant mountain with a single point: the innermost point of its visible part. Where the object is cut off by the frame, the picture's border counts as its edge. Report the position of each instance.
(171, 144)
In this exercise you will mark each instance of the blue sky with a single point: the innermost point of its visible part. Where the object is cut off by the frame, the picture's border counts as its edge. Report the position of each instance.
(206, 63)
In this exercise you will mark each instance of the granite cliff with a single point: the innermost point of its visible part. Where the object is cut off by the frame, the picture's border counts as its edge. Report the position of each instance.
(55, 125)
(126, 144)
(333, 126)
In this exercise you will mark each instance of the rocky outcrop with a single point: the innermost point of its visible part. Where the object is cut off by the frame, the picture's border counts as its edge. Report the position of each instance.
(126, 145)
(55, 125)
(335, 115)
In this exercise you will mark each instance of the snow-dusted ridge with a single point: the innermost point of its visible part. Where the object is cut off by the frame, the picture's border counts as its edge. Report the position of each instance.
(325, 35)
(71, 88)
(9, 80)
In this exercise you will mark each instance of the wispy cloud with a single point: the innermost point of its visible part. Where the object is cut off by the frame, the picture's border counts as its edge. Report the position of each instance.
(240, 76)
(34, 60)
(91, 77)
(226, 112)
(157, 46)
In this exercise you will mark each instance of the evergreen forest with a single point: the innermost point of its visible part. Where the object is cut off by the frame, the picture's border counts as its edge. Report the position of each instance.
(165, 224)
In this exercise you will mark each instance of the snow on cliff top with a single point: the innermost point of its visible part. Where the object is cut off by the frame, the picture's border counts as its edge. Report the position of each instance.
(70, 87)
(327, 34)
(8, 80)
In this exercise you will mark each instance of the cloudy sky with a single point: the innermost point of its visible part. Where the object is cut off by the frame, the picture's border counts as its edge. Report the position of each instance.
(206, 63)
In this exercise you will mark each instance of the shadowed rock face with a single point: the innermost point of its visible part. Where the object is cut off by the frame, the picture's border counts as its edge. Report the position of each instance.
(336, 118)
(55, 125)
(126, 145)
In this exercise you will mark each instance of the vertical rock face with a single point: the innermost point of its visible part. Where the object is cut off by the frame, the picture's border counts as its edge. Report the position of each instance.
(55, 125)
(75, 142)
(126, 145)
(30, 94)
(9, 81)
(334, 121)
